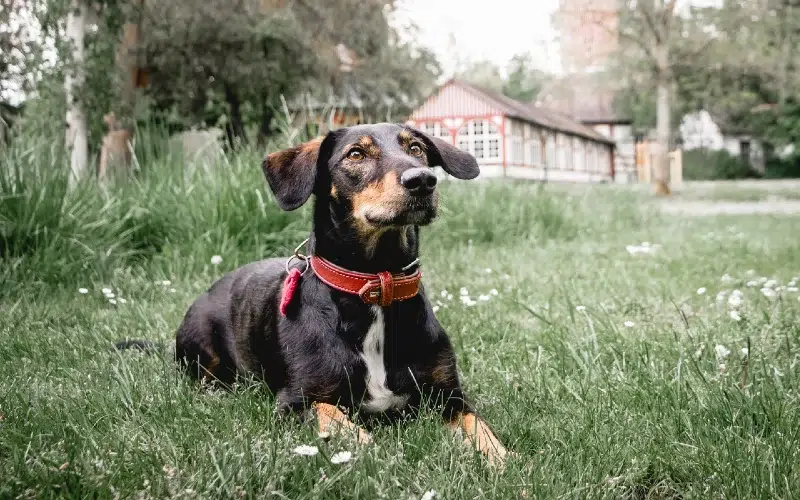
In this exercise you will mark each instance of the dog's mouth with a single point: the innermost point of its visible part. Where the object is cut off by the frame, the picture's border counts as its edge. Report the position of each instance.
(416, 212)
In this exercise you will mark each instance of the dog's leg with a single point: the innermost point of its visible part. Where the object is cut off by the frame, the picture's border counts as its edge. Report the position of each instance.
(331, 419)
(478, 434)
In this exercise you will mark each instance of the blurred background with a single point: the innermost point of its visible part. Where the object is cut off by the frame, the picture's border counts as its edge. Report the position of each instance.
(698, 89)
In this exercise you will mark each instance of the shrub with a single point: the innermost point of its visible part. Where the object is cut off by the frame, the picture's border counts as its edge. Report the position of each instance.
(703, 164)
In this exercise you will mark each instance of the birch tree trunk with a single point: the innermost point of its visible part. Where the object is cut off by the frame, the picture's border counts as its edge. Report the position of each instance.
(663, 130)
(77, 128)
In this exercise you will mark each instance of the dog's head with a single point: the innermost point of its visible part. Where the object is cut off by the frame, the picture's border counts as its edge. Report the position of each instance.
(381, 176)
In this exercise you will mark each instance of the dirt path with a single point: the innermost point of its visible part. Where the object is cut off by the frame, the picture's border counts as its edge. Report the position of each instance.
(700, 208)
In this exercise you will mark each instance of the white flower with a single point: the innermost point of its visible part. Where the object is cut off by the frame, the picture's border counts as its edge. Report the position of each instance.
(505, 277)
(83, 291)
(341, 457)
(792, 289)
(306, 450)
(106, 291)
(121, 300)
(770, 284)
(645, 243)
(721, 351)
(444, 293)
(643, 248)
(629, 324)
(435, 309)
(494, 292)
(166, 282)
(488, 270)
(721, 296)
(792, 283)
(463, 292)
(735, 315)
(580, 308)
(109, 295)
(429, 495)
(701, 291)
(468, 301)
(737, 292)
(769, 293)
(727, 279)
(752, 284)
(483, 298)
(112, 301)
(172, 290)
(449, 296)
(216, 260)
(745, 352)
(750, 272)
(324, 435)
(735, 300)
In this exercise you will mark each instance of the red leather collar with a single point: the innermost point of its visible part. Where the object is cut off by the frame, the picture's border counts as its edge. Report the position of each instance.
(382, 288)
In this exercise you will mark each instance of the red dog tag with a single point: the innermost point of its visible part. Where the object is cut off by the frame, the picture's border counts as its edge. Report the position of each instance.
(289, 287)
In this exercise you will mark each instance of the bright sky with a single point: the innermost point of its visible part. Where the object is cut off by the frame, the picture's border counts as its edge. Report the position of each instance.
(481, 29)
(492, 29)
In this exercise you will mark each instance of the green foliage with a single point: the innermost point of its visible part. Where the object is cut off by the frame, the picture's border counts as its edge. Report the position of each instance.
(48, 233)
(707, 165)
(523, 81)
(783, 168)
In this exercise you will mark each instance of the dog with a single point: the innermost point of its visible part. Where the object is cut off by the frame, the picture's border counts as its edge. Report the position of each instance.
(347, 329)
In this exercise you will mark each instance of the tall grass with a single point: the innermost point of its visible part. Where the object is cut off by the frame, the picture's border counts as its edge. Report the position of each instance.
(173, 218)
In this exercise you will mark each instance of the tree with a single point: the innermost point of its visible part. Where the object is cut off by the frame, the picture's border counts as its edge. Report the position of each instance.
(77, 135)
(653, 38)
(524, 81)
(484, 74)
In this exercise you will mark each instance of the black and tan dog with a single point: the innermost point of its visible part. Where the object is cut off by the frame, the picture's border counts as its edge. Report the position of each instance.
(351, 329)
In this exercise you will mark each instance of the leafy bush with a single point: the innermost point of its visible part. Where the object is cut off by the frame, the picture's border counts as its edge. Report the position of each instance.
(788, 168)
(706, 165)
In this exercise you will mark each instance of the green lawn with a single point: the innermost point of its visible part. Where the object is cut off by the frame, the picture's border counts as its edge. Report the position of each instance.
(608, 372)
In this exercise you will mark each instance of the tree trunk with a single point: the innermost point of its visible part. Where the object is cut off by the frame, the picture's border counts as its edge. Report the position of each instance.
(77, 128)
(266, 125)
(663, 127)
(236, 134)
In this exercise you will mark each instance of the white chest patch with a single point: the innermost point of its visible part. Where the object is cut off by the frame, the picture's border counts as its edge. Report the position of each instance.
(380, 398)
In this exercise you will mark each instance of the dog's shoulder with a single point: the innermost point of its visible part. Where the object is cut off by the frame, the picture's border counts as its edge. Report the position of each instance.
(259, 278)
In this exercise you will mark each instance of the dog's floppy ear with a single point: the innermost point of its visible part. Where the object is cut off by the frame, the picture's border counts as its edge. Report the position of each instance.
(454, 161)
(292, 173)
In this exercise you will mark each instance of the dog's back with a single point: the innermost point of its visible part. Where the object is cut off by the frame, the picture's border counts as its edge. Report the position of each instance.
(206, 341)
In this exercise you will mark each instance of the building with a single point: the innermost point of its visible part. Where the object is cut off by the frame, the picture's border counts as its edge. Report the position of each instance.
(589, 99)
(514, 139)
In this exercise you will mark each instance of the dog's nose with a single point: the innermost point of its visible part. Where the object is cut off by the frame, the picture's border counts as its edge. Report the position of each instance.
(419, 181)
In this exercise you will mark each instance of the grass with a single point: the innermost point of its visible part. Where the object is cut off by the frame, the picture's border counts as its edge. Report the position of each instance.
(607, 372)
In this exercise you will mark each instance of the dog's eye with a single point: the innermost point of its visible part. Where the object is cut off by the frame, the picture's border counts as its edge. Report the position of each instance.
(415, 150)
(355, 155)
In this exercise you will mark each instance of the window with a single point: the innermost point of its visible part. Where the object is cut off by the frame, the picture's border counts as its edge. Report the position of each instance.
(550, 155)
(474, 135)
(479, 149)
(536, 151)
(494, 148)
(564, 162)
(577, 149)
(516, 150)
